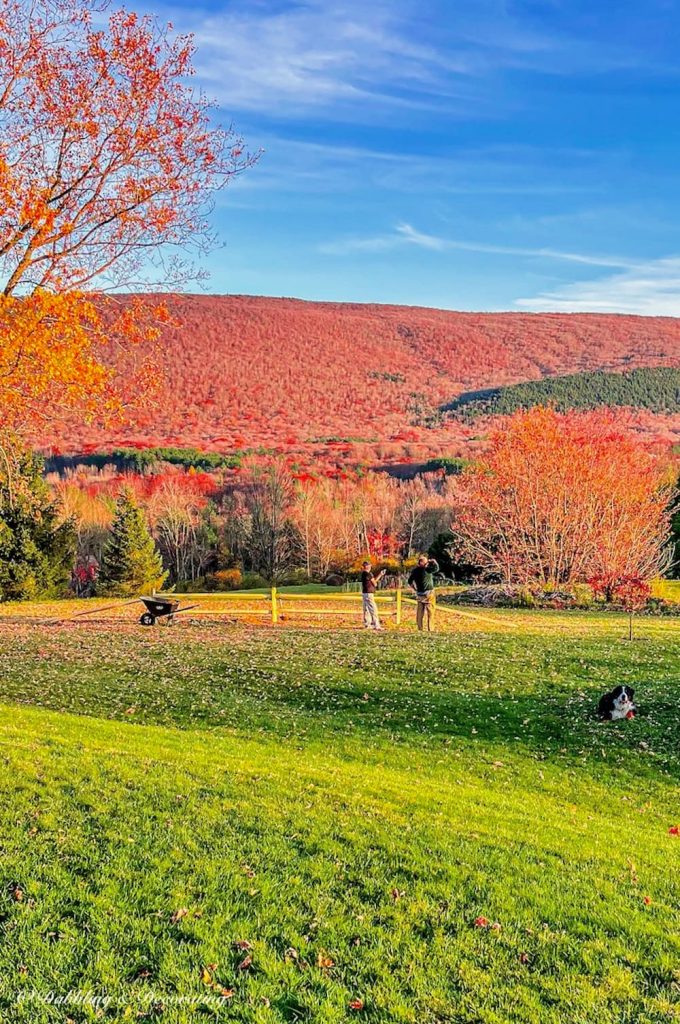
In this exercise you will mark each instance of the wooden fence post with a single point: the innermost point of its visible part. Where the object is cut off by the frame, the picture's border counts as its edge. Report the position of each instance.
(398, 615)
(275, 607)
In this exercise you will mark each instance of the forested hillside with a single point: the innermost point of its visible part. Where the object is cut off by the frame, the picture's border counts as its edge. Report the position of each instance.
(241, 372)
(654, 388)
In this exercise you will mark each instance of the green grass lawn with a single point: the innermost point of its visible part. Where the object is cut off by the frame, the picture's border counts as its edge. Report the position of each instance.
(227, 823)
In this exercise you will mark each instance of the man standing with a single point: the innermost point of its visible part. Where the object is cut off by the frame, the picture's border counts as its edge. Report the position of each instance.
(421, 581)
(369, 583)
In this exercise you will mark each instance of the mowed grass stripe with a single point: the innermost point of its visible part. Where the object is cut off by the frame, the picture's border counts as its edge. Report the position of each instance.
(236, 819)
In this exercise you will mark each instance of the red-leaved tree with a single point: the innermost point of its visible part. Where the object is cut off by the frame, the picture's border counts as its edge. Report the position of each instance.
(563, 498)
(108, 161)
(630, 592)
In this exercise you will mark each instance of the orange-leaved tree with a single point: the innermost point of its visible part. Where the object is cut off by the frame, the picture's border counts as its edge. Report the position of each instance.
(563, 498)
(108, 160)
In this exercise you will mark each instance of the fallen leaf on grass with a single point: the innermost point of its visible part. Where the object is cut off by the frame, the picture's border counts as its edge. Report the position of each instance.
(524, 958)
(674, 830)
(647, 901)
(325, 962)
(242, 944)
(292, 956)
(178, 915)
(397, 894)
(206, 976)
(245, 964)
(227, 993)
(482, 922)
(356, 1004)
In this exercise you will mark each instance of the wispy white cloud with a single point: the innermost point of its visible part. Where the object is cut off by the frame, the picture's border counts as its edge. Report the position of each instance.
(406, 235)
(306, 57)
(301, 57)
(648, 289)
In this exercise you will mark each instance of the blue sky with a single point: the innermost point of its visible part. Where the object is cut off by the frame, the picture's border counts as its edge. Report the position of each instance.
(470, 154)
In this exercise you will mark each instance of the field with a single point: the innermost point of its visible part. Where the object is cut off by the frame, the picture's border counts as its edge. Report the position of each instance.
(356, 383)
(215, 823)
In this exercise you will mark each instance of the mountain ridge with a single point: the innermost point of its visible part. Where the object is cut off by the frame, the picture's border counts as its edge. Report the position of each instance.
(288, 374)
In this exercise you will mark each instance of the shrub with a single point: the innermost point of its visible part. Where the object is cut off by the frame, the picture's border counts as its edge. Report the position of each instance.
(226, 579)
(253, 581)
(294, 578)
(334, 579)
(583, 595)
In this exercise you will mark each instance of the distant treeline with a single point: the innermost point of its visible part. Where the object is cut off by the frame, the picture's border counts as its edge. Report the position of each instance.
(141, 460)
(655, 388)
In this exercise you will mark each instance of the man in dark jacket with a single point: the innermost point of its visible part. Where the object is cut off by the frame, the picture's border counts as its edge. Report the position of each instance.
(421, 581)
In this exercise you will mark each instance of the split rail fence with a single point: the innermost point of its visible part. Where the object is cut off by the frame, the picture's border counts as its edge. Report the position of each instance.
(276, 605)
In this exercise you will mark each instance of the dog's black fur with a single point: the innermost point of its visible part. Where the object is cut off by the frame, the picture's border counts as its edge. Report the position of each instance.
(616, 704)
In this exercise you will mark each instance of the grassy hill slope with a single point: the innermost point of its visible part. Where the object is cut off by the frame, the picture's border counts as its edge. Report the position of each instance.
(312, 832)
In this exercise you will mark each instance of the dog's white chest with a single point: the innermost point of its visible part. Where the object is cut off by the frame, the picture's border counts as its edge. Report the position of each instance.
(620, 712)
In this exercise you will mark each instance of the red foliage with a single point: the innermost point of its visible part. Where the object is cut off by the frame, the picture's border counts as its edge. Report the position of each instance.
(340, 379)
(630, 591)
(565, 498)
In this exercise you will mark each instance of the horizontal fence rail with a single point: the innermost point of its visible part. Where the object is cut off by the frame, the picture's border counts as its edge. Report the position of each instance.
(283, 605)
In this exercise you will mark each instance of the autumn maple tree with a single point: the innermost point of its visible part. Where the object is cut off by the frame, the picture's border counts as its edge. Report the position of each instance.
(562, 498)
(108, 160)
(631, 592)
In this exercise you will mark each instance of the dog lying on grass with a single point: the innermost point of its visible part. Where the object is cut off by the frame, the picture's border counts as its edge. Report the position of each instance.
(617, 704)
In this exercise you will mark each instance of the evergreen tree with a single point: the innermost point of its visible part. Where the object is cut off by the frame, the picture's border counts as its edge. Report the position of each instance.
(444, 549)
(131, 563)
(37, 550)
(674, 539)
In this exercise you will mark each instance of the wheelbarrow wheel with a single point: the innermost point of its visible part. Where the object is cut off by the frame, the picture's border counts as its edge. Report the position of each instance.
(147, 619)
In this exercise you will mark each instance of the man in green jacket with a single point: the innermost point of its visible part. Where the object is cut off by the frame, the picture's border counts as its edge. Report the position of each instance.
(421, 582)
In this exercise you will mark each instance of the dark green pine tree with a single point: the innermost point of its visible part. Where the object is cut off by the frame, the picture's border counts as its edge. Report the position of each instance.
(674, 539)
(131, 564)
(37, 548)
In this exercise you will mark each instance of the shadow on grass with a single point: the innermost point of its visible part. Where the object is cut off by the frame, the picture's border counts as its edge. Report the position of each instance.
(535, 693)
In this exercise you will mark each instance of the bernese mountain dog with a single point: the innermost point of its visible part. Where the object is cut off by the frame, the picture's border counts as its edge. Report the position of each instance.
(617, 704)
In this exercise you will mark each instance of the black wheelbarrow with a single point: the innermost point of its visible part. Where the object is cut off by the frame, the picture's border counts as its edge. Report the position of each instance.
(161, 608)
